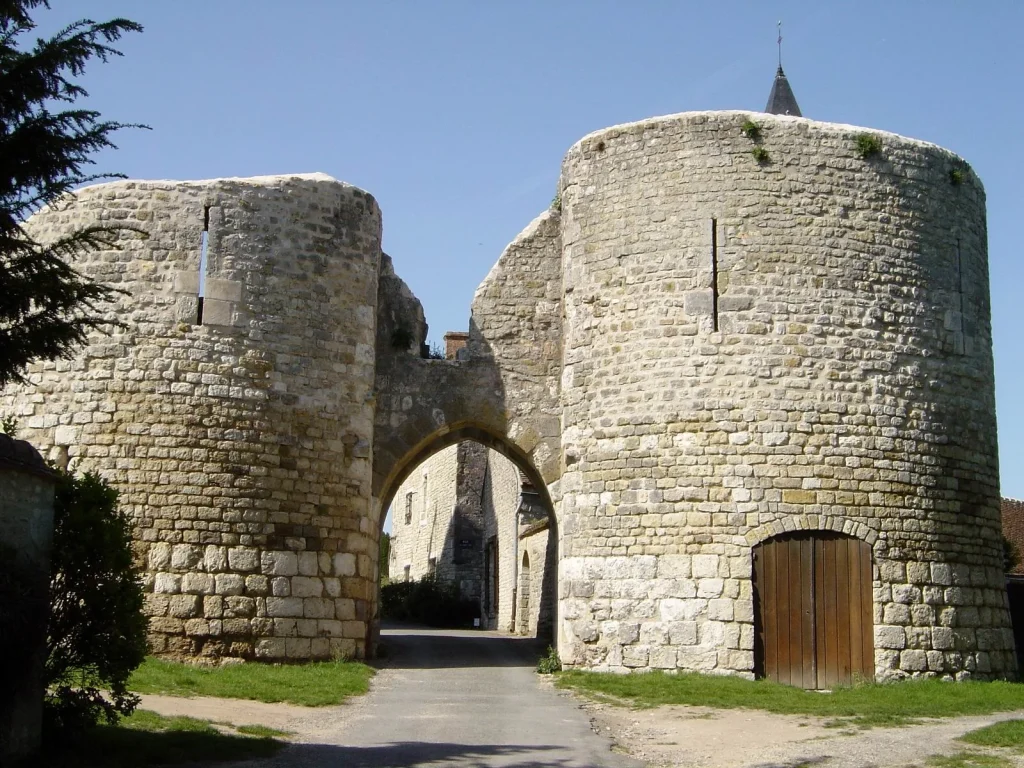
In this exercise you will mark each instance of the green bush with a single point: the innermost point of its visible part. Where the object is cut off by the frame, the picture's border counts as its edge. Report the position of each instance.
(868, 145)
(761, 155)
(428, 601)
(549, 663)
(751, 130)
(96, 634)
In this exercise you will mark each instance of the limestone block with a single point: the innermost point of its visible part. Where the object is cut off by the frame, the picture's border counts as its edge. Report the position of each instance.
(705, 566)
(279, 563)
(890, 637)
(344, 564)
(185, 556)
(663, 657)
(238, 627)
(308, 564)
(243, 559)
(271, 648)
(280, 586)
(913, 661)
(257, 585)
(229, 584)
(305, 586)
(213, 607)
(159, 556)
(215, 559)
(167, 583)
(197, 583)
(185, 606)
(236, 606)
(284, 606)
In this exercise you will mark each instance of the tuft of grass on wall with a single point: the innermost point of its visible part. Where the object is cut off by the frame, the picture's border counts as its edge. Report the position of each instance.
(868, 145)
(316, 684)
(864, 705)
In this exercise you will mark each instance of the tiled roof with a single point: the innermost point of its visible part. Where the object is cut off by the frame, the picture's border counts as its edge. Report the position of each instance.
(1013, 529)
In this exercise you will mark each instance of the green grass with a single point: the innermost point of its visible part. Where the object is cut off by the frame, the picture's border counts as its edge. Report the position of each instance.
(863, 705)
(1009, 733)
(967, 760)
(318, 684)
(262, 731)
(148, 739)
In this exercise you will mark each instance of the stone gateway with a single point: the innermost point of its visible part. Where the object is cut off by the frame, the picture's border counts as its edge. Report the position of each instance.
(701, 353)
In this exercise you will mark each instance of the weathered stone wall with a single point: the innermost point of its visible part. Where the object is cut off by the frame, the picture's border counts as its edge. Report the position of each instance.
(26, 535)
(429, 496)
(501, 494)
(839, 376)
(240, 445)
(477, 485)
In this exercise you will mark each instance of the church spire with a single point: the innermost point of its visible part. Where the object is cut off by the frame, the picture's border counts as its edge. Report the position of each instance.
(781, 100)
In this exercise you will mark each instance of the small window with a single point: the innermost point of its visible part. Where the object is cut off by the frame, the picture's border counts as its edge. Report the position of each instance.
(407, 573)
(408, 508)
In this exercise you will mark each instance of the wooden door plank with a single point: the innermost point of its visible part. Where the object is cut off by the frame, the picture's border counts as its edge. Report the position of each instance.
(771, 659)
(782, 594)
(807, 611)
(757, 593)
(843, 623)
(831, 615)
(820, 646)
(796, 644)
(856, 613)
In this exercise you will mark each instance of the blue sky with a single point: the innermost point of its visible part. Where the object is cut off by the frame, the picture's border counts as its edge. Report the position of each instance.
(456, 114)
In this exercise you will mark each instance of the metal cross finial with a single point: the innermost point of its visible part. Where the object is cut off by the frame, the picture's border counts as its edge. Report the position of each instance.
(780, 44)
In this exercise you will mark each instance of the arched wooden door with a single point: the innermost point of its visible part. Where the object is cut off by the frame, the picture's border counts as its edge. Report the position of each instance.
(813, 609)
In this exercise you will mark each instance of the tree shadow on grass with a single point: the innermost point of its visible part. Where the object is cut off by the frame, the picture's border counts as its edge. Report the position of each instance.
(116, 747)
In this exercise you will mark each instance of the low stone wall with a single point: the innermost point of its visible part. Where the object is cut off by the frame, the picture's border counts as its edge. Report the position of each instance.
(26, 533)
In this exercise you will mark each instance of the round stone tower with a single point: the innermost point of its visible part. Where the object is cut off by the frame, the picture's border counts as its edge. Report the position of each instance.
(232, 409)
(778, 404)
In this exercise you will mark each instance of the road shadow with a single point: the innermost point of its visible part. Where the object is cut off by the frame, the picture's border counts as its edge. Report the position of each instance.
(409, 647)
(410, 754)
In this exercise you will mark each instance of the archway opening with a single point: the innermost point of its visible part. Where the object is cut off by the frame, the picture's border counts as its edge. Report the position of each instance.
(459, 519)
(813, 609)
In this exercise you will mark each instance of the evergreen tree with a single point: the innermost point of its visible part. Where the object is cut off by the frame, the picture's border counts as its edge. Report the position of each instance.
(46, 306)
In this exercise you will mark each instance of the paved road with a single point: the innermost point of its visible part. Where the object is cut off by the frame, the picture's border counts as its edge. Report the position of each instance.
(455, 698)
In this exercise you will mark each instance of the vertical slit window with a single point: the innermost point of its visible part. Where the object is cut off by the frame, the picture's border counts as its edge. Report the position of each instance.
(960, 282)
(714, 274)
(203, 263)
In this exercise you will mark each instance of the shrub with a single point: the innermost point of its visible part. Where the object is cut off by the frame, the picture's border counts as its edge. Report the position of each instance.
(761, 155)
(956, 176)
(549, 663)
(556, 202)
(428, 601)
(751, 130)
(96, 634)
(435, 352)
(868, 145)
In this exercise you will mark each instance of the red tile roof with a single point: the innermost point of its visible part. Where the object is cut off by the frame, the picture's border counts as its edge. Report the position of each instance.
(1013, 529)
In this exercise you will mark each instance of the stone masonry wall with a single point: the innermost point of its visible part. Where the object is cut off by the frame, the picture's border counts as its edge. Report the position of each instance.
(421, 516)
(26, 536)
(822, 362)
(501, 494)
(241, 444)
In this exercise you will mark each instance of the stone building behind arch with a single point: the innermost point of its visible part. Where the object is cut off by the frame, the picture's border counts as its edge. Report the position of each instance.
(700, 352)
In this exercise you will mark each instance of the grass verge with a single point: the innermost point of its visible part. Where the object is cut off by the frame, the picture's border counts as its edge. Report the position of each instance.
(1008, 734)
(148, 739)
(967, 760)
(318, 684)
(865, 705)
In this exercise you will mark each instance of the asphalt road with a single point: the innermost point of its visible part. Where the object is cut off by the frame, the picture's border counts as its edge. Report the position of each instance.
(454, 698)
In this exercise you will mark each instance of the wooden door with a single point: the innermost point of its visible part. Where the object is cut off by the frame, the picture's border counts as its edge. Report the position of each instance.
(813, 609)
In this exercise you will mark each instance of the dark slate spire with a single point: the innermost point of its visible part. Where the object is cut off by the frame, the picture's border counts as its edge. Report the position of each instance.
(781, 100)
